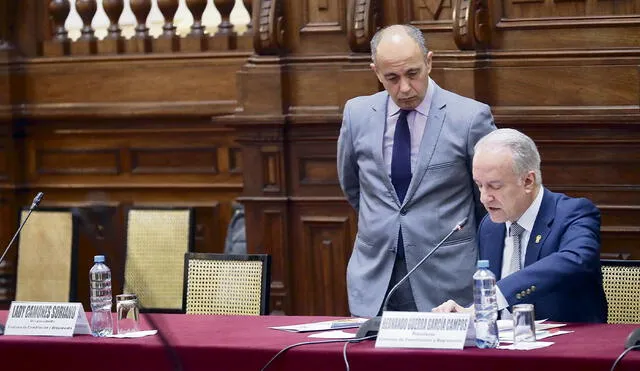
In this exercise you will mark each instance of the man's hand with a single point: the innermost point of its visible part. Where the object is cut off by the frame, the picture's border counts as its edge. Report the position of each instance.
(451, 306)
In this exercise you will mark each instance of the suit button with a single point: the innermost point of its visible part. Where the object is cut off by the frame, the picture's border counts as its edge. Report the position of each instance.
(533, 288)
(518, 296)
(528, 291)
(403, 212)
(522, 293)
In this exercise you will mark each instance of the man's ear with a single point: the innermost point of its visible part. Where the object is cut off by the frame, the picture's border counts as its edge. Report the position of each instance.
(427, 60)
(530, 181)
(375, 70)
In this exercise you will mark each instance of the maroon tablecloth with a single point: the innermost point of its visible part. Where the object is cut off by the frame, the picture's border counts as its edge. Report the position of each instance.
(246, 343)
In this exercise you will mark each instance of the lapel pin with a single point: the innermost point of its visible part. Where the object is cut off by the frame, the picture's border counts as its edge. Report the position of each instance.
(538, 238)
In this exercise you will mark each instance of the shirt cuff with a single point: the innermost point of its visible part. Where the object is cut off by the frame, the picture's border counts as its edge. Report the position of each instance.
(502, 302)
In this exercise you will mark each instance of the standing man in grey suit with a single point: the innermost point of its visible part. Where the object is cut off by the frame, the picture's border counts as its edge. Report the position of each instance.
(404, 164)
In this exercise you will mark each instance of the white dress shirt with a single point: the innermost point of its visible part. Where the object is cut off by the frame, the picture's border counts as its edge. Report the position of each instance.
(417, 120)
(526, 221)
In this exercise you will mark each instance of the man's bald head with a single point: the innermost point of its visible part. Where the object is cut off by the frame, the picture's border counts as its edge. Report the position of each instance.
(398, 35)
(402, 64)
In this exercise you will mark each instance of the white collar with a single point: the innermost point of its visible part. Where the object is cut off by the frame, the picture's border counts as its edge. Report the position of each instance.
(528, 218)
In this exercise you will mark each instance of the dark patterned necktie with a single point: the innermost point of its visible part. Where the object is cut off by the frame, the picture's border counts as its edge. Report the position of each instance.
(515, 231)
(401, 157)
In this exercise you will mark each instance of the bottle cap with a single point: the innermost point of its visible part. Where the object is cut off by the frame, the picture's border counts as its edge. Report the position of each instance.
(98, 259)
(483, 264)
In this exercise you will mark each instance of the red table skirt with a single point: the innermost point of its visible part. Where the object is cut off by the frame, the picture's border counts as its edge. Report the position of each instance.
(246, 343)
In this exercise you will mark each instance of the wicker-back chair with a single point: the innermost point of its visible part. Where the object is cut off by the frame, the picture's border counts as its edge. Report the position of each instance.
(226, 284)
(157, 240)
(47, 256)
(621, 280)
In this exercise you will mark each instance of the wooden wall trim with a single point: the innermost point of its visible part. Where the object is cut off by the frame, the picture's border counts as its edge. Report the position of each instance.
(126, 110)
(567, 22)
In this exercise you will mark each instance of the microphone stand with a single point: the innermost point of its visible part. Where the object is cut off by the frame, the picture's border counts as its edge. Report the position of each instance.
(34, 205)
(371, 327)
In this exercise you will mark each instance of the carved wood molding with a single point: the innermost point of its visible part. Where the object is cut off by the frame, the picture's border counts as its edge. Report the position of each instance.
(594, 117)
(620, 21)
(269, 35)
(260, 135)
(471, 27)
(362, 23)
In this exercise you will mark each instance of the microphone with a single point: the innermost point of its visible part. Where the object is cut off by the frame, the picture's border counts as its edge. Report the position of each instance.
(34, 205)
(372, 326)
(633, 340)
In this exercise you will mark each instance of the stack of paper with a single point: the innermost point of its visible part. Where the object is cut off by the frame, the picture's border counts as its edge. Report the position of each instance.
(543, 330)
(324, 325)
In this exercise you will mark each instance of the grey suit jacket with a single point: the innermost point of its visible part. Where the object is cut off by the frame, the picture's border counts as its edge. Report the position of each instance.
(441, 193)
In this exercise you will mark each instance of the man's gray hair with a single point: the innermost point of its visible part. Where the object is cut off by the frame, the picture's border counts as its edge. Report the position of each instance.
(524, 152)
(412, 31)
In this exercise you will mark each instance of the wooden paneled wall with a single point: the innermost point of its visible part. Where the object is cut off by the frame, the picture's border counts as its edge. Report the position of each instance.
(202, 127)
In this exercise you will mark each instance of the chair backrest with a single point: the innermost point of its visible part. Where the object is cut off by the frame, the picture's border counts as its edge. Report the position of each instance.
(157, 240)
(226, 283)
(47, 256)
(236, 240)
(621, 281)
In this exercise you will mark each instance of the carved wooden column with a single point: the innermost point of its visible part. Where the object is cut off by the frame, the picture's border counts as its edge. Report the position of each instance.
(59, 43)
(472, 35)
(7, 267)
(168, 41)
(196, 40)
(268, 27)
(471, 28)
(363, 17)
(245, 41)
(260, 124)
(141, 40)
(113, 43)
(225, 38)
(87, 43)
(11, 131)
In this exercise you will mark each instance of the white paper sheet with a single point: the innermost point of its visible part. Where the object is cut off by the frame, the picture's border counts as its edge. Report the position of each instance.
(527, 346)
(135, 334)
(335, 334)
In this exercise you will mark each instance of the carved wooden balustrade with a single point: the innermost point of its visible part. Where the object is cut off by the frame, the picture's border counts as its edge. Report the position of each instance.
(197, 40)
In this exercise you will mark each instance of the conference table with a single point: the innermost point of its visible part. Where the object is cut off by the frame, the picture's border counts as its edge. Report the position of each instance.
(238, 343)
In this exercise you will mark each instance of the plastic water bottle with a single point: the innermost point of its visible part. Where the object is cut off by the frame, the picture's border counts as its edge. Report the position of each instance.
(486, 306)
(101, 299)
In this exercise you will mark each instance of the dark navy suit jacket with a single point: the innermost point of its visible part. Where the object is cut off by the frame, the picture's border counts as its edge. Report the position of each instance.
(561, 274)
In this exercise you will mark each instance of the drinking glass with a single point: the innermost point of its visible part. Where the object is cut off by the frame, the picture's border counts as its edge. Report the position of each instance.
(128, 313)
(524, 324)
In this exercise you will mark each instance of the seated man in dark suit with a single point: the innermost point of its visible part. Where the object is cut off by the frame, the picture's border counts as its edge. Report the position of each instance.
(543, 247)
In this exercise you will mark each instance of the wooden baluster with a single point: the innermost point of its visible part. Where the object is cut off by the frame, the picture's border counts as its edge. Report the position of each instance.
(225, 38)
(245, 41)
(248, 5)
(169, 40)
(141, 40)
(86, 44)
(113, 42)
(114, 9)
(197, 7)
(224, 7)
(59, 44)
(197, 39)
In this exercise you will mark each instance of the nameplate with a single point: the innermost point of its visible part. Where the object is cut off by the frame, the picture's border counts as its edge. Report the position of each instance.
(423, 330)
(46, 319)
